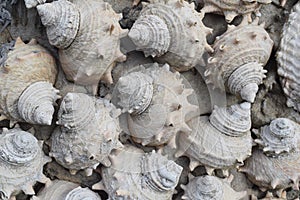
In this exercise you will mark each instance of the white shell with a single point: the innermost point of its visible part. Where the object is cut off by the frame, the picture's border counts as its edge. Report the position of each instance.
(33, 3)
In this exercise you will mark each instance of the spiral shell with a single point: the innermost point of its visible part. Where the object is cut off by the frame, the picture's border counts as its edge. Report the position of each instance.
(32, 96)
(237, 61)
(157, 101)
(21, 162)
(89, 132)
(146, 176)
(89, 44)
(172, 32)
(219, 142)
(288, 58)
(63, 190)
(33, 3)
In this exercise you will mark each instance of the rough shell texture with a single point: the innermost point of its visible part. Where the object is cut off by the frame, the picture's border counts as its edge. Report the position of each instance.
(33, 3)
(35, 71)
(21, 162)
(162, 110)
(89, 132)
(172, 32)
(89, 48)
(218, 142)
(288, 58)
(63, 190)
(146, 176)
(248, 46)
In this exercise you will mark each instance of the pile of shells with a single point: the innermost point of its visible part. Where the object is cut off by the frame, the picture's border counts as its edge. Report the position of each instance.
(133, 136)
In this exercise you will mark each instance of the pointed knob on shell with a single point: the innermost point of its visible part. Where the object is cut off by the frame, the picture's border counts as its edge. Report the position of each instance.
(33, 3)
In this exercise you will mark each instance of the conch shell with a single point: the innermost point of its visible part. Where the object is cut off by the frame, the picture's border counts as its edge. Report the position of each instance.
(288, 58)
(238, 60)
(89, 132)
(145, 176)
(88, 44)
(219, 142)
(26, 91)
(172, 32)
(33, 3)
(21, 163)
(156, 101)
(64, 190)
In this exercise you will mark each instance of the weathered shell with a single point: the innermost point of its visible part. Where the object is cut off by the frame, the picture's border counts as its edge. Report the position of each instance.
(219, 142)
(21, 162)
(89, 132)
(238, 57)
(157, 102)
(288, 58)
(172, 32)
(89, 44)
(33, 3)
(146, 176)
(26, 91)
(64, 190)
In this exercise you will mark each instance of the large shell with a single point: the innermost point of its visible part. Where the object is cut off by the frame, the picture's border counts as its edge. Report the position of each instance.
(33, 3)
(172, 32)
(238, 57)
(146, 176)
(21, 162)
(89, 44)
(288, 58)
(221, 141)
(64, 190)
(89, 132)
(157, 102)
(26, 91)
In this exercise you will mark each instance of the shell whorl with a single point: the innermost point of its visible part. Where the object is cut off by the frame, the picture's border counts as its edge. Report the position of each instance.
(62, 21)
(35, 104)
(80, 193)
(233, 121)
(33, 3)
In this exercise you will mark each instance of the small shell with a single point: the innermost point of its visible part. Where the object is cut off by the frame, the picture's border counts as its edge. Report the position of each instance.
(89, 132)
(146, 176)
(21, 162)
(172, 32)
(288, 58)
(238, 57)
(32, 96)
(33, 3)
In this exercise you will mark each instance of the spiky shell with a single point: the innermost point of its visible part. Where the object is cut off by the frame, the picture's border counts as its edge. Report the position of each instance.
(288, 58)
(146, 176)
(168, 111)
(33, 3)
(64, 190)
(218, 142)
(29, 72)
(83, 143)
(248, 46)
(172, 32)
(21, 162)
(90, 44)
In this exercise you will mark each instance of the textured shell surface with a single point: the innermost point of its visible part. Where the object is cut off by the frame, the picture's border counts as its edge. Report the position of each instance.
(33, 3)
(172, 32)
(288, 59)
(219, 142)
(89, 44)
(31, 98)
(146, 176)
(64, 190)
(21, 162)
(157, 102)
(89, 132)
(238, 59)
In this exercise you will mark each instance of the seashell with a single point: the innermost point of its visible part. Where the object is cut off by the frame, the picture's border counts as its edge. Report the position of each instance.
(238, 60)
(210, 188)
(220, 141)
(88, 44)
(146, 176)
(288, 59)
(172, 32)
(64, 190)
(21, 162)
(89, 132)
(32, 97)
(156, 101)
(33, 3)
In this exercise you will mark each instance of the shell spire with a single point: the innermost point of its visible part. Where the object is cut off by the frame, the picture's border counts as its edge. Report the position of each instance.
(33, 3)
